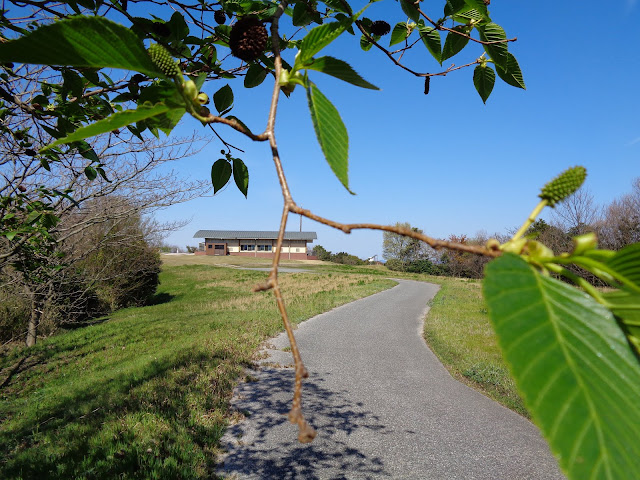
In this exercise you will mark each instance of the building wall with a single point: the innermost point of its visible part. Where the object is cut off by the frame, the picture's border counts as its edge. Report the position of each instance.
(291, 249)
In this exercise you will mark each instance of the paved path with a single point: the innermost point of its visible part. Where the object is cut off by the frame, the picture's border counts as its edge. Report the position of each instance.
(383, 405)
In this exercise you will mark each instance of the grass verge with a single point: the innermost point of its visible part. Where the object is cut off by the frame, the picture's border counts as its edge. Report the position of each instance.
(458, 330)
(145, 393)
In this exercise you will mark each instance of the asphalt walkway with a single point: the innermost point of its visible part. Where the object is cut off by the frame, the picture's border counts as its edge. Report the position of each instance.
(382, 403)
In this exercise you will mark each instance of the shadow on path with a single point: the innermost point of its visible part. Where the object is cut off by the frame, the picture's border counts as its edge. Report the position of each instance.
(269, 445)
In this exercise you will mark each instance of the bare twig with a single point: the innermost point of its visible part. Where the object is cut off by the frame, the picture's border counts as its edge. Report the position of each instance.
(389, 54)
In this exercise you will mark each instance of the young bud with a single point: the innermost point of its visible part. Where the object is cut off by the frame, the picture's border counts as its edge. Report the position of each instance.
(563, 186)
(539, 250)
(163, 60)
(582, 243)
(190, 89)
(514, 246)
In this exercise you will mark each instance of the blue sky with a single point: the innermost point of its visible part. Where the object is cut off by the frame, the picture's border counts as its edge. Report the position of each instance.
(444, 162)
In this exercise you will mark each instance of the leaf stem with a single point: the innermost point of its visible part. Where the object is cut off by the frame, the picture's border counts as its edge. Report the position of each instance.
(529, 221)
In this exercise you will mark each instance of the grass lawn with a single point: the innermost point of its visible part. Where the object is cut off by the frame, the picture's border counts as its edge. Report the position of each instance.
(458, 330)
(457, 327)
(144, 394)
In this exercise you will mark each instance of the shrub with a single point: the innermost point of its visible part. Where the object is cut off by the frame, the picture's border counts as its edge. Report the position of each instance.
(395, 265)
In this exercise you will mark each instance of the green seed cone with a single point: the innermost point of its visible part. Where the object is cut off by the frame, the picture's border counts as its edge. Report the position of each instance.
(563, 186)
(163, 60)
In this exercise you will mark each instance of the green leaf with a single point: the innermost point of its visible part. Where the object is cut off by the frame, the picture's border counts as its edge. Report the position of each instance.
(484, 78)
(223, 99)
(410, 9)
(365, 44)
(165, 92)
(301, 16)
(626, 263)
(320, 37)
(81, 42)
(178, 26)
(72, 83)
(452, 7)
(32, 217)
(86, 151)
(511, 72)
(331, 132)
(479, 6)
(239, 121)
(90, 172)
(255, 76)
(11, 235)
(220, 174)
(241, 175)
(492, 32)
(454, 42)
(399, 33)
(339, 6)
(113, 122)
(574, 367)
(339, 69)
(466, 14)
(431, 39)
(625, 306)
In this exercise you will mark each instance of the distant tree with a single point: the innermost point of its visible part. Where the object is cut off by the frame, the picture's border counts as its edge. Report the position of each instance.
(395, 265)
(346, 259)
(107, 264)
(464, 264)
(578, 214)
(322, 253)
(402, 248)
(620, 223)
(191, 249)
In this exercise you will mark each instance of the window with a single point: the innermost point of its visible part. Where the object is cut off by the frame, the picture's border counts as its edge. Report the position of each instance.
(219, 247)
(209, 246)
(247, 248)
(264, 248)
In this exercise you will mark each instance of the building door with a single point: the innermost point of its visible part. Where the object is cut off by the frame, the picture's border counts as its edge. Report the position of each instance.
(220, 249)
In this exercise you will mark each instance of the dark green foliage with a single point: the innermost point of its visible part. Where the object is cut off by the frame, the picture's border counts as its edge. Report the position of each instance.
(131, 276)
(340, 257)
(322, 254)
(424, 266)
(395, 264)
(416, 266)
(346, 259)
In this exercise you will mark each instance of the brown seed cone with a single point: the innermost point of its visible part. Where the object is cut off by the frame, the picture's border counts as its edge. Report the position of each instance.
(380, 27)
(248, 39)
(219, 17)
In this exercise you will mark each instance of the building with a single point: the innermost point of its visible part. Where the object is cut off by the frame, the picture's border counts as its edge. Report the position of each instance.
(255, 243)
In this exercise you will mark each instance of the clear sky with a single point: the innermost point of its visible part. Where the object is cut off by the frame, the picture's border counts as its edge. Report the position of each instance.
(444, 162)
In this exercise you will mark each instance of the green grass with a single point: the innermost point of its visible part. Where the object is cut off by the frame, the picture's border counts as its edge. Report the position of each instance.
(458, 330)
(145, 393)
